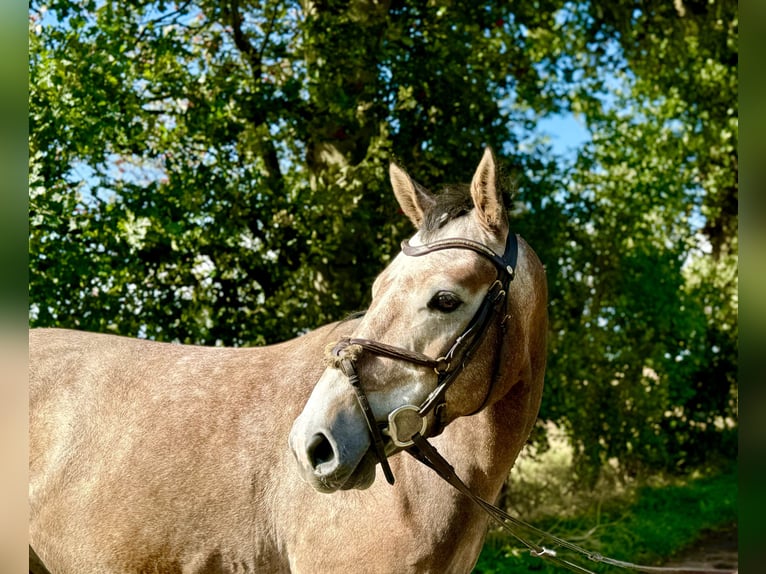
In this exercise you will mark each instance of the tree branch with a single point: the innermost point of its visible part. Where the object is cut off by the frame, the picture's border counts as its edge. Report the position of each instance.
(242, 42)
(254, 58)
(152, 22)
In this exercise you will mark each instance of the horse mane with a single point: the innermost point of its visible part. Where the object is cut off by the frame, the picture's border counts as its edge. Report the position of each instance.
(353, 315)
(450, 203)
(453, 201)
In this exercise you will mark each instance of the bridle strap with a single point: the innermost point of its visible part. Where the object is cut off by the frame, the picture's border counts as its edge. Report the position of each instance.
(463, 348)
(465, 345)
(384, 350)
(505, 263)
(349, 369)
(448, 366)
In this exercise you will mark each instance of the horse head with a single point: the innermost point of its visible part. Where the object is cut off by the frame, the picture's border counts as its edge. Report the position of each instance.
(448, 286)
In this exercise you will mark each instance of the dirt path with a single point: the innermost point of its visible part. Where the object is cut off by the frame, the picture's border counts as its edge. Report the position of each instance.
(716, 550)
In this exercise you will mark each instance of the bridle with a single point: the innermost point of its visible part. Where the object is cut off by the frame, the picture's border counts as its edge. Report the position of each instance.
(407, 424)
(406, 421)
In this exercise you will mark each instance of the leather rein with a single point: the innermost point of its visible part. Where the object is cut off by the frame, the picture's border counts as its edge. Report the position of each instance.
(407, 424)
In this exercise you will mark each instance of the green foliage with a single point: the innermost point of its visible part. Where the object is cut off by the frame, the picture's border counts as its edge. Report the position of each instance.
(642, 246)
(647, 526)
(215, 173)
(223, 165)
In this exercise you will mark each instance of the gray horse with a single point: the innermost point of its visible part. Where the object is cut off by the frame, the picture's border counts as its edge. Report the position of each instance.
(155, 457)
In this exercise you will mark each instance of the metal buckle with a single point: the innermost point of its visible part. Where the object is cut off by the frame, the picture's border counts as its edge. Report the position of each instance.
(404, 423)
(443, 364)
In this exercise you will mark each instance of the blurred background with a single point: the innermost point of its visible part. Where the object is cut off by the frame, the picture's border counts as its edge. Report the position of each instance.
(215, 173)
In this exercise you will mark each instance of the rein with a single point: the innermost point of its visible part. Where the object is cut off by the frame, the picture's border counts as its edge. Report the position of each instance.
(407, 424)
(424, 452)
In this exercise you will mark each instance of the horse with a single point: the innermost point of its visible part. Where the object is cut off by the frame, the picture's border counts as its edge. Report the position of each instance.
(158, 457)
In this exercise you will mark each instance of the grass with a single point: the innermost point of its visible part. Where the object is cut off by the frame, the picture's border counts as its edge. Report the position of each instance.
(645, 524)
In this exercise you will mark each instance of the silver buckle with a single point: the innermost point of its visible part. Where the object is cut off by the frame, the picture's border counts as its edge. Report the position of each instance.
(404, 423)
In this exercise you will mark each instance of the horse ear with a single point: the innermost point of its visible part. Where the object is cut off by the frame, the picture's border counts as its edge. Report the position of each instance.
(486, 196)
(412, 198)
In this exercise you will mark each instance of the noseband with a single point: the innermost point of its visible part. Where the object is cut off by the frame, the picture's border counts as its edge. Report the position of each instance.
(409, 420)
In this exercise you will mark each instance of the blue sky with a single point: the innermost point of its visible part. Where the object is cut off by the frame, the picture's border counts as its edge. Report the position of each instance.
(567, 134)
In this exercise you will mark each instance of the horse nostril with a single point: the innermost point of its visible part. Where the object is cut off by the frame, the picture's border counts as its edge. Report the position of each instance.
(320, 450)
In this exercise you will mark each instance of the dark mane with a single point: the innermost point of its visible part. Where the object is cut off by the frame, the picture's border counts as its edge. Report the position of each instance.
(451, 202)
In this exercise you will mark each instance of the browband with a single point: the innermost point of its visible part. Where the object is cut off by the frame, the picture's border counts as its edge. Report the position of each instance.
(505, 263)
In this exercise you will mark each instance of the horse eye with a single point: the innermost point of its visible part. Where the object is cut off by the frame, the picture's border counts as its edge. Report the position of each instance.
(445, 301)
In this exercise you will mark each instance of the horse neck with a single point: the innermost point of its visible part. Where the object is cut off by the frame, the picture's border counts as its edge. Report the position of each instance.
(483, 447)
(450, 526)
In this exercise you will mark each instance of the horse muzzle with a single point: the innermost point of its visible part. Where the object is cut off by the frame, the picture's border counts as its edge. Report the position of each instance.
(330, 442)
(327, 466)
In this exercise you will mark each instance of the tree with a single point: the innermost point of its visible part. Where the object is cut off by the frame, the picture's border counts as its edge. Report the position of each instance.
(211, 165)
(644, 304)
(214, 172)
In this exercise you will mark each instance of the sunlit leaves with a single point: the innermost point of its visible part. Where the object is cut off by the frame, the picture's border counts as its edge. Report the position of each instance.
(215, 172)
(649, 229)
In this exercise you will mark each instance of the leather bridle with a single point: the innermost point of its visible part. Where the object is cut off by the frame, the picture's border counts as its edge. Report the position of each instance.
(407, 421)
